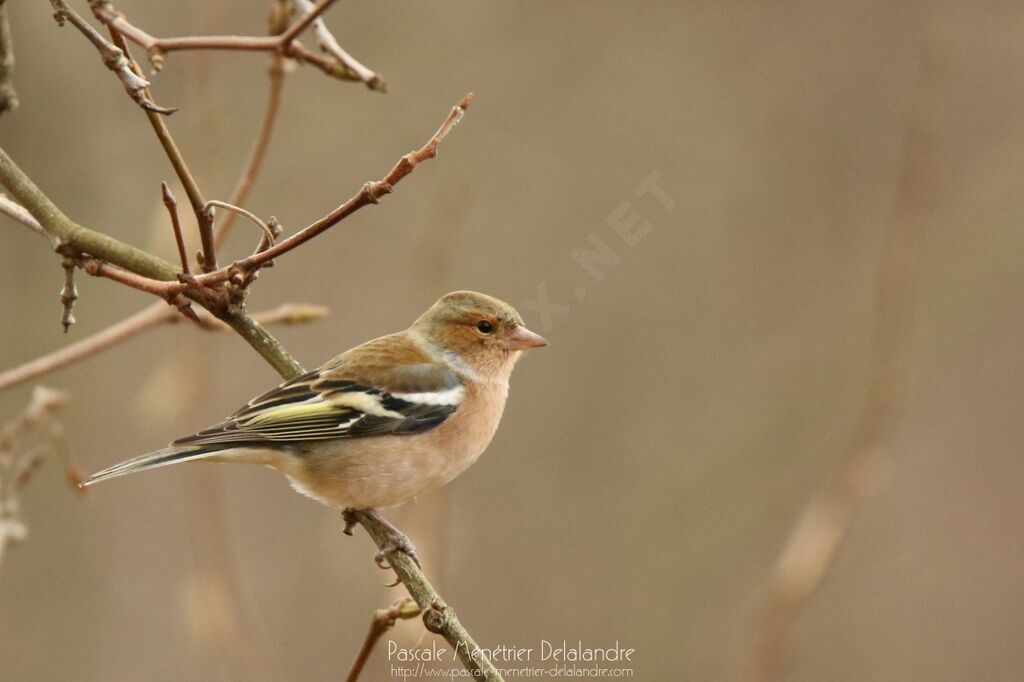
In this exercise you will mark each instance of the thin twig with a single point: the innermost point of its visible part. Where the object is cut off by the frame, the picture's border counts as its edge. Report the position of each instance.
(8, 95)
(156, 48)
(172, 210)
(382, 621)
(68, 294)
(292, 313)
(113, 57)
(159, 313)
(287, 314)
(312, 15)
(438, 617)
(329, 44)
(142, 321)
(268, 239)
(268, 233)
(248, 177)
(204, 217)
(16, 211)
(371, 193)
(137, 269)
(111, 336)
(20, 459)
(132, 266)
(101, 268)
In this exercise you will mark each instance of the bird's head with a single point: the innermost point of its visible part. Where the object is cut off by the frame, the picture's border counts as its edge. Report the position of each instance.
(483, 332)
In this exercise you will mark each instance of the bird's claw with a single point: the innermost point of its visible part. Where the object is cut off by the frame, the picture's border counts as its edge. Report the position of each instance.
(349, 517)
(397, 542)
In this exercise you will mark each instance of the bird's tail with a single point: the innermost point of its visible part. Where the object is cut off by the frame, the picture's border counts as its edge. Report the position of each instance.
(152, 460)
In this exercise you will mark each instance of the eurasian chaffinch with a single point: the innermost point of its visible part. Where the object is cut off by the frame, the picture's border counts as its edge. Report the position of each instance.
(386, 421)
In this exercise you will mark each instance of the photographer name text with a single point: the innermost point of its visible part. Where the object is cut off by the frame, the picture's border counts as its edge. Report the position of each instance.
(559, 652)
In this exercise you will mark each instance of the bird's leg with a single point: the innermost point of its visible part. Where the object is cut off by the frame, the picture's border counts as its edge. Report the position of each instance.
(349, 517)
(397, 540)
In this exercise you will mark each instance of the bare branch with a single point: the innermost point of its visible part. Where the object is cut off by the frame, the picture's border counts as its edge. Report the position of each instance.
(113, 58)
(20, 457)
(269, 239)
(292, 314)
(268, 233)
(247, 179)
(101, 268)
(16, 211)
(286, 44)
(382, 621)
(142, 321)
(285, 314)
(68, 293)
(438, 617)
(371, 193)
(327, 42)
(76, 352)
(263, 342)
(330, 66)
(172, 210)
(312, 15)
(104, 256)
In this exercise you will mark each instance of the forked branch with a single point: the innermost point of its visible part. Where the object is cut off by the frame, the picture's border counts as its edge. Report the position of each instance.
(113, 58)
(337, 63)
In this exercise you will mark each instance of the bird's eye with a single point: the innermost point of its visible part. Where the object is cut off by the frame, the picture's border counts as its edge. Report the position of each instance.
(485, 326)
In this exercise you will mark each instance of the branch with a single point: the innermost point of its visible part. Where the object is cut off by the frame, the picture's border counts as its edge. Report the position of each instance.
(19, 460)
(285, 44)
(313, 13)
(179, 239)
(67, 233)
(259, 150)
(68, 294)
(329, 44)
(16, 211)
(268, 232)
(287, 314)
(371, 193)
(113, 58)
(204, 216)
(263, 342)
(142, 321)
(382, 621)
(76, 352)
(110, 257)
(158, 277)
(438, 617)
(99, 268)
(157, 314)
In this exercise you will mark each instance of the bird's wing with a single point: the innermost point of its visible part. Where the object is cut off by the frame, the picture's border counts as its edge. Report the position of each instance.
(366, 392)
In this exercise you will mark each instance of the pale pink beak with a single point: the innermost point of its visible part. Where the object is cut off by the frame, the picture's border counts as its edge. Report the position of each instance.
(522, 338)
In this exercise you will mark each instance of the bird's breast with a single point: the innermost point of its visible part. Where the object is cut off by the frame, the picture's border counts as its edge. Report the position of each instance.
(385, 471)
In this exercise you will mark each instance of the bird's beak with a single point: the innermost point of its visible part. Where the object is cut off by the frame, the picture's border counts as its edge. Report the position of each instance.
(522, 338)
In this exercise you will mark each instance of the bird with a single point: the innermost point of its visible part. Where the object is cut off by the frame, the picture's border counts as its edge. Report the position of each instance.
(384, 422)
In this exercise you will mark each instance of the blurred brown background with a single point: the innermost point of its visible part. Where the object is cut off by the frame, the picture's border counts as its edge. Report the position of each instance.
(651, 461)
